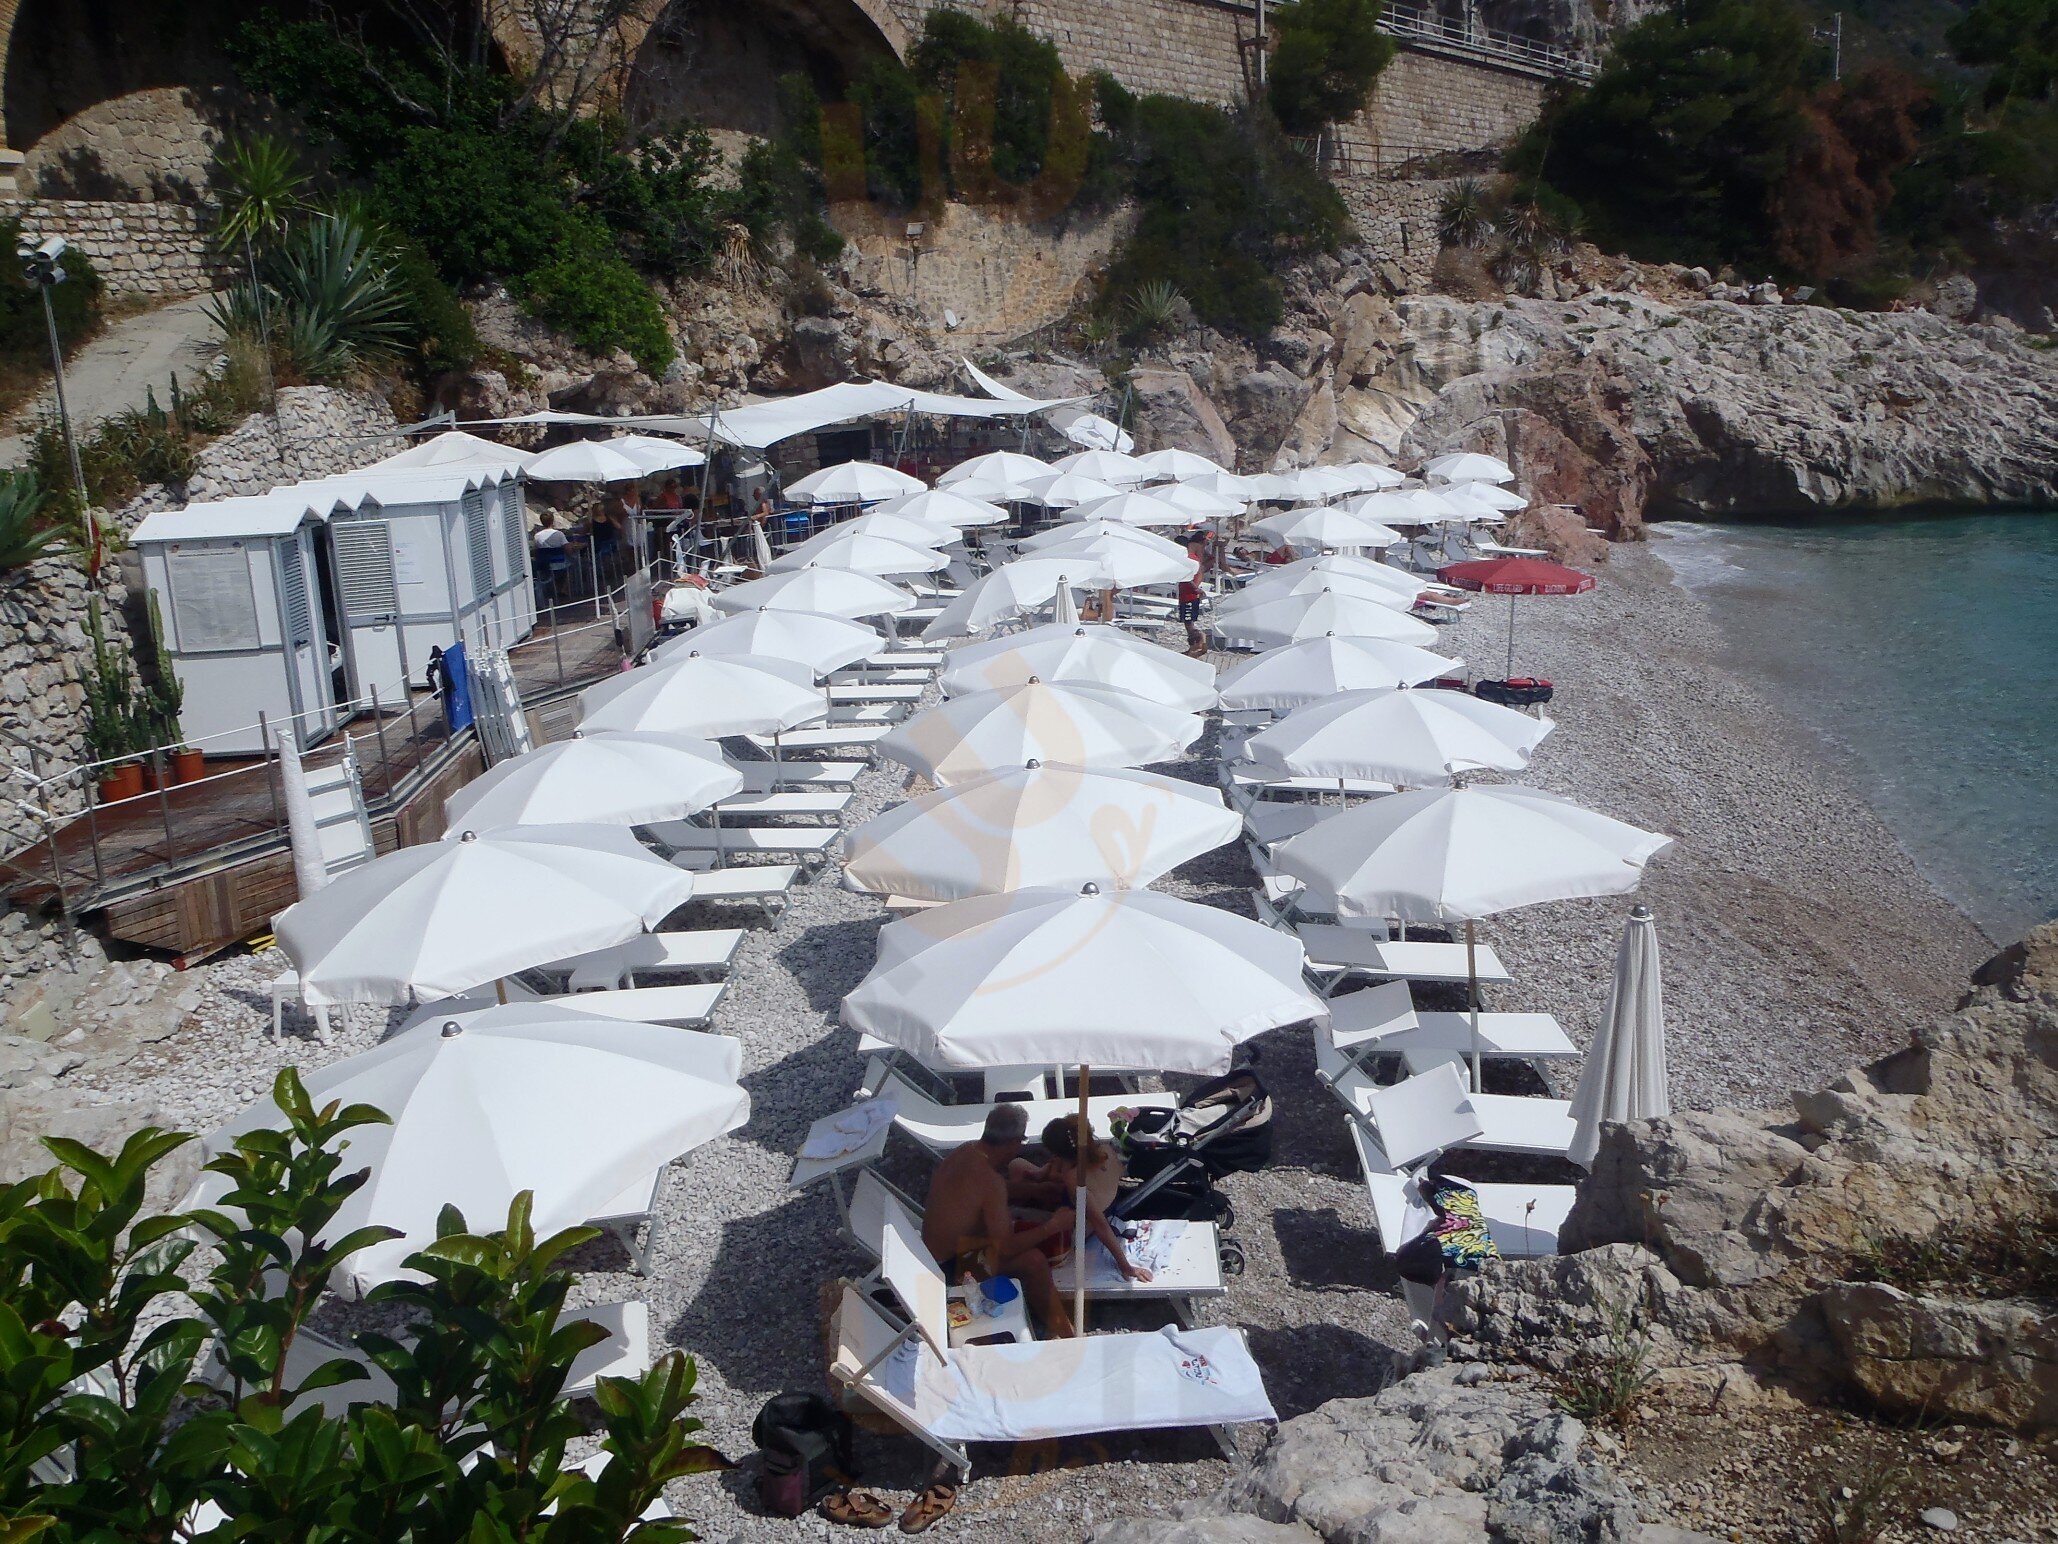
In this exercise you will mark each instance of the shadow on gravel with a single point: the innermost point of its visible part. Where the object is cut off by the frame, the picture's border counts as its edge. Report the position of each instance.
(1324, 1252)
(1310, 1364)
(790, 1094)
(830, 958)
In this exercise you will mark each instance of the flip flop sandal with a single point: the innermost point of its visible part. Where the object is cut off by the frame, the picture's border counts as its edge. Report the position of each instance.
(928, 1509)
(857, 1508)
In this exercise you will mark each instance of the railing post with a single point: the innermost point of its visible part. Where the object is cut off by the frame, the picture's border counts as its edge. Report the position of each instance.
(271, 785)
(379, 723)
(92, 797)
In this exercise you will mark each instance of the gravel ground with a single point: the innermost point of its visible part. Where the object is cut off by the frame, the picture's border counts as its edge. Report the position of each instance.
(1798, 938)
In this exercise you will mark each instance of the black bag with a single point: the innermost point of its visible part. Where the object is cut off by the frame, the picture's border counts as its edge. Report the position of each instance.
(804, 1448)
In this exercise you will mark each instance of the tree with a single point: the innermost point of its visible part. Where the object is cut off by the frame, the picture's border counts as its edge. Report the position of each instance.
(1326, 56)
(108, 1312)
(2019, 38)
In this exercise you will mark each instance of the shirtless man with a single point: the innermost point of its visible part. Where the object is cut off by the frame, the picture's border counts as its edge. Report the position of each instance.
(967, 1211)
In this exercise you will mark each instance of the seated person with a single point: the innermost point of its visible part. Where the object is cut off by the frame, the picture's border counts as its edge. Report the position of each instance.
(968, 1228)
(1103, 1177)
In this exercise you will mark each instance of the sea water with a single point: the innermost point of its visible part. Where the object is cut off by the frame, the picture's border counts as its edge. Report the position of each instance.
(1924, 652)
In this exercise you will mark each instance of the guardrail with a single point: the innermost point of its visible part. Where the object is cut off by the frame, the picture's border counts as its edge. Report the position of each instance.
(1470, 39)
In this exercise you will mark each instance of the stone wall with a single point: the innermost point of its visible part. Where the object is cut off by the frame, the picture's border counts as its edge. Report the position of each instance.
(158, 248)
(1425, 104)
(1396, 222)
(998, 276)
(148, 145)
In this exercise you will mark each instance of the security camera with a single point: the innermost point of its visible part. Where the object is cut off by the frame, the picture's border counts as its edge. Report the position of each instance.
(53, 247)
(39, 262)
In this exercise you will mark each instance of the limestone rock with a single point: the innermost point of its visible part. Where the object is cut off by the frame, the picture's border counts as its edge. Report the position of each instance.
(1261, 407)
(1202, 1530)
(1170, 412)
(1957, 297)
(1936, 1357)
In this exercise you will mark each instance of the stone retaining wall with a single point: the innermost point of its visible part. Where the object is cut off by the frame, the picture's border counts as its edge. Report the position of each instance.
(1426, 104)
(159, 248)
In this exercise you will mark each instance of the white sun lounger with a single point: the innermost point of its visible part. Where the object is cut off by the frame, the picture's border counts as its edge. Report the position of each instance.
(1345, 951)
(851, 693)
(768, 885)
(1246, 786)
(1384, 1021)
(867, 714)
(694, 951)
(686, 1006)
(811, 804)
(897, 659)
(1524, 1220)
(944, 1128)
(624, 1354)
(810, 844)
(1028, 1391)
(1419, 1117)
(1487, 547)
(771, 776)
(867, 674)
(816, 738)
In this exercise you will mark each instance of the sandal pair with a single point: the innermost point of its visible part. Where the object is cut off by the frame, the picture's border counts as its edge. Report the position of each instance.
(865, 1509)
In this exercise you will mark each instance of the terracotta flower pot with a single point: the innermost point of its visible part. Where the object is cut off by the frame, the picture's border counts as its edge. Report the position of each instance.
(122, 782)
(188, 765)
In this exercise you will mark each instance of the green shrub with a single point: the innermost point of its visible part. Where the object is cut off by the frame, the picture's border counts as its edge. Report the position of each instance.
(259, 186)
(330, 301)
(24, 336)
(602, 303)
(1464, 216)
(444, 337)
(28, 531)
(651, 191)
(1326, 56)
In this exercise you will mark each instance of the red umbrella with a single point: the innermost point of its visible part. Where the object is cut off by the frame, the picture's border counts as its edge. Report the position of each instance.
(1512, 577)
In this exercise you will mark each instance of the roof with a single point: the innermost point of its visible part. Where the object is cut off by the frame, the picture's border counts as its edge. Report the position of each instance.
(263, 514)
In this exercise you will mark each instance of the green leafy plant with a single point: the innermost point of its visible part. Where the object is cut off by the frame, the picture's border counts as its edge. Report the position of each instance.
(28, 533)
(1325, 58)
(165, 693)
(601, 303)
(260, 188)
(117, 722)
(1156, 309)
(333, 302)
(148, 1388)
(1464, 215)
(1607, 1383)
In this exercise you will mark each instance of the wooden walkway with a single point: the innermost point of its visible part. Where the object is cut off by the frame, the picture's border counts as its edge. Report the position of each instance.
(192, 867)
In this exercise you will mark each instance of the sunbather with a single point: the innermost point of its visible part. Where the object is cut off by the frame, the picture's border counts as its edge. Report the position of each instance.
(1103, 1168)
(968, 1228)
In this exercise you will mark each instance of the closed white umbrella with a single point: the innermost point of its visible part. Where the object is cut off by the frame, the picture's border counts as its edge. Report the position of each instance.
(837, 592)
(1289, 618)
(585, 461)
(1123, 564)
(1065, 533)
(1096, 433)
(1468, 466)
(1338, 581)
(1061, 490)
(1008, 726)
(486, 1103)
(1011, 590)
(998, 466)
(944, 506)
(631, 778)
(1624, 1076)
(1286, 677)
(854, 482)
(821, 643)
(1064, 607)
(706, 694)
(1037, 824)
(1094, 653)
(1176, 464)
(1396, 735)
(860, 552)
(1139, 507)
(915, 530)
(442, 918)
(1110, 466)
(1324, 526)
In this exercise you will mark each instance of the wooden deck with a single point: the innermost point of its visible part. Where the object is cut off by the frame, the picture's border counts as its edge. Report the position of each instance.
(190, 868)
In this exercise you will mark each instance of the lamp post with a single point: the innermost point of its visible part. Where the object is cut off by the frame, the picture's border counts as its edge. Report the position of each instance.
(41, 266)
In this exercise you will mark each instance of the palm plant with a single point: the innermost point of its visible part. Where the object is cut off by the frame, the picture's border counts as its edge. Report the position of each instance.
(1463, 217)
(26, 531)
(260, 184)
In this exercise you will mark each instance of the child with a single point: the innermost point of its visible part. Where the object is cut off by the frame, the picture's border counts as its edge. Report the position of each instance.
(1103, 1180)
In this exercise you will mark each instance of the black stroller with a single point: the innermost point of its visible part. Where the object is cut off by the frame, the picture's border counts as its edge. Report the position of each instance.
(1176, 1155)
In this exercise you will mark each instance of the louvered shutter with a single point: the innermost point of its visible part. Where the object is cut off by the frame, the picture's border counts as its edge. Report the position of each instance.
(299, 617)
(512, 527)
(480, 540)
(365, 580)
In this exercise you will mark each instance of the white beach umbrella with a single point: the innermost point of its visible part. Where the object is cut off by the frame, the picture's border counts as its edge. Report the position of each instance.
(1068, 722)
(1290, 618)
(1315, 668)
(861, 553)
(1123, 564)
(915, 530)
(1176, 464)
(486, 1103)
(1366, 571)
(442, 918)
(1065, 533)
(1319, 525)
(1139, 507)
(944, 506)
(585, 461)
(1064, 607)
(1367, 476)
(655, 454)
(837, 592)
(820, 643)
(1037, 824)
(1110, 466)
(854, 482)
(454, 447)
(706, 694)
(1062, 490)
(1624, 1076)
(1015, 588)
(630, 778)
(1483, 496)
(1197, 503)
(1269, 587)
(1433, 506)
(1396, 735)
(1093, 653)
(1005, 467)
(1468, 466)
(1313, 483)
(1229, 485)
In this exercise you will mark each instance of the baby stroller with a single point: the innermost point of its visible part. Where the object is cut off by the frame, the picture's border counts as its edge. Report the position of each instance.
(1176, 1155)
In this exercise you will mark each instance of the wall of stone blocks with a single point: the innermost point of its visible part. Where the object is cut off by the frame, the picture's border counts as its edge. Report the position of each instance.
(157, 248)
(1425, 103)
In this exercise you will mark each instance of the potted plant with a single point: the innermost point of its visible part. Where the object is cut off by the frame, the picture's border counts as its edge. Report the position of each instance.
(113, 725)
(166, 698)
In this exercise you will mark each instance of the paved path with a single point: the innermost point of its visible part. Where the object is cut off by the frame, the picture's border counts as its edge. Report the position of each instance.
(115, 370)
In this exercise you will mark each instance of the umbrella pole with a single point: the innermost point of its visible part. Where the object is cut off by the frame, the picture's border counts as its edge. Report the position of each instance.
(500, 989)
(1472, 993)
(1511, 637)
(721, 857)
(1079, 1211)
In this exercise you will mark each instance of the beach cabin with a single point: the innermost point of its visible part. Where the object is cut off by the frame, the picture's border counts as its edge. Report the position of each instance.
(238, 589)
(420, 558)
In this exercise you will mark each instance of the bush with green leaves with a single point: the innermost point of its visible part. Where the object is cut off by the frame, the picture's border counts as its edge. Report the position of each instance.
(1464, 215)
(148, 1388)
(327, 296)
(29, 528)
(259, 186)
(24, 334)
(1326, 56)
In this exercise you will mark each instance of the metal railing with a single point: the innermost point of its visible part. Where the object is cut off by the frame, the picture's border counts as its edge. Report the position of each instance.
(1468, 37)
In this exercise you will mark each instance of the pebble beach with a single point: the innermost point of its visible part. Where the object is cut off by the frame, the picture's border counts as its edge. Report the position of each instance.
(1798, 938)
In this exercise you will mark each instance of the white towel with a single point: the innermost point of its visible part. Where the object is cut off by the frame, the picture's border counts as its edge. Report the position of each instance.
(847, 1130)
(1153, 1247)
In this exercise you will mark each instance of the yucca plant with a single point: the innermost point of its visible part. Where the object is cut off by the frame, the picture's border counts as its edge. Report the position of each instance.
(1156, 308)
(27, 532)
(1464, 217)
(261, 188)
(332, 300)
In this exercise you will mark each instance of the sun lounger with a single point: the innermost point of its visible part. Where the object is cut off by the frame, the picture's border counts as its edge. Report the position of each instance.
(767, 885)
(634, 1208)
(1347, 951)
(867, 714)
(863, 692)
(1244, 785)
(693, 951)
(1485, 546)
(1383, 1021)
(833, 737)
(868, 674)
(624, 1354)
(1523, 1219)
(690, 1007)
(771, 776)
(811, 804)
(1422, 1116)
(910, 658)
(809, 844)
(943, 1128)
(1033, 1391)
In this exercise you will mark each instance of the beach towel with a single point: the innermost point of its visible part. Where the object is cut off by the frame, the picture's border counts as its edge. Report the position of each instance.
(848, 1130)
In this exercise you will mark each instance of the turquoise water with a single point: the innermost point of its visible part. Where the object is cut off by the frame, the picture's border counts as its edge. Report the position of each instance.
(1925, 650)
